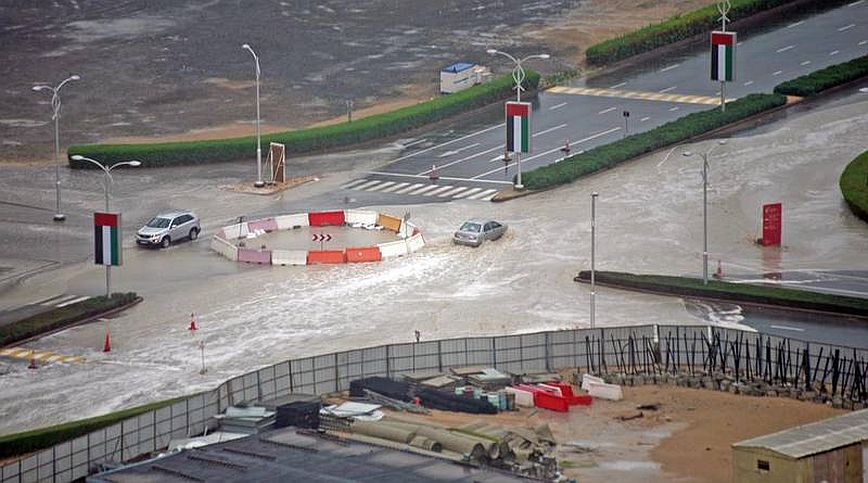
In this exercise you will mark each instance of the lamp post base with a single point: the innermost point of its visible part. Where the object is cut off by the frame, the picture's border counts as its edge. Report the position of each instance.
(259, 184)
(59, 217)
(519, 187)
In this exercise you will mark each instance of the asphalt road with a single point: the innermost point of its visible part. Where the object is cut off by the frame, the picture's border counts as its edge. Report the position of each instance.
(469, 162)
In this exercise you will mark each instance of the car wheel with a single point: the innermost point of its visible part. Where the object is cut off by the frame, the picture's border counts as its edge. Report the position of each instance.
(165, 242)
(194, 233)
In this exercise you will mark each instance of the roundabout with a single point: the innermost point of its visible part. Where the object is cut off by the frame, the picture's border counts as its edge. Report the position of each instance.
(341, 236)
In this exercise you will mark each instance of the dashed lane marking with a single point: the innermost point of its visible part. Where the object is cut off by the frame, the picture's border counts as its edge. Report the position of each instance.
(846, 27)
(43, 356)
(784, 49)
(73, 301)
(557, 106)
(648, 96)
(666, 69)
(604, 111)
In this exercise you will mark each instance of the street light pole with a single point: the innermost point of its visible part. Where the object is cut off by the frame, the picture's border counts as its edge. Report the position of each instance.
(518, 76)
(55, 106)
(593, 254)
(259, 183)
(108, 181)
(705, 156)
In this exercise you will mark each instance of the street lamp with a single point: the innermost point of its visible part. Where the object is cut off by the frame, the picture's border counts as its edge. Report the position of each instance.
(705, 157)
(259, 183)
(108, 181)
(518, 76)
(593, 253)
(55, 106)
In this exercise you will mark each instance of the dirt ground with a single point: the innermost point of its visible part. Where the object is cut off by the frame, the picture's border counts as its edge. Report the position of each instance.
(687, 439)
(157, 72)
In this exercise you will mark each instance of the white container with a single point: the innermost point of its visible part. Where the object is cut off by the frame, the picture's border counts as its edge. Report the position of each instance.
(602, 390)
(587, 379)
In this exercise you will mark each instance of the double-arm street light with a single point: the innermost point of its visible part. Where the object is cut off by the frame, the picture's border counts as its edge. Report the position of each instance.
(55, 106)
(108, 180)
(259, 183)
(518, 76)
(705, 156)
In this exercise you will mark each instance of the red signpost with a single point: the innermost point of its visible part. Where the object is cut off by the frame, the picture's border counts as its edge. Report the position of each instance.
(772, 221)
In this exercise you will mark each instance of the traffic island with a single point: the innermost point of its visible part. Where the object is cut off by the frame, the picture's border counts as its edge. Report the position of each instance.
(743, 294)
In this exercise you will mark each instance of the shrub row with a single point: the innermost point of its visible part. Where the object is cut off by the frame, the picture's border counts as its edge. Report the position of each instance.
(62, 317)
(19, 444)
(692, 23)
(735, 292)
(304, 140)
(820, 80)
(854, 185)
(609, 155)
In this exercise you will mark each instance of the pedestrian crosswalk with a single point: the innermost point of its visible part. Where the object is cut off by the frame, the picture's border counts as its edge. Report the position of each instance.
(37, 355)
(63, 300)
(422, 189)
(648, 96)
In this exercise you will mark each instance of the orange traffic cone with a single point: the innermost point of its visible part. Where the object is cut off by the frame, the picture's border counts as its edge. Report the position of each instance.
(193, 326)
(107, 346)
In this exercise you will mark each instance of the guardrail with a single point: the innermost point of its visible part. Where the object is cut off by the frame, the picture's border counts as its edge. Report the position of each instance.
(623, 350)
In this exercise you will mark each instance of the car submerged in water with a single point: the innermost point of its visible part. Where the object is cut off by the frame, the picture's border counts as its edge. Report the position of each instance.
(474, 232)
(165, 228)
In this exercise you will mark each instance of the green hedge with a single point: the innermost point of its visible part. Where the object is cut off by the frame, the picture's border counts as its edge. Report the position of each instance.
(735, 292)
(29, 441)
(304, 140)
(854, 185)
(818, 81)
(61, 317)
(692, 23)
(609, 155)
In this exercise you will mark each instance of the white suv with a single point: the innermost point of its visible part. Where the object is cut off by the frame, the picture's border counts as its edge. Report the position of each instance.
(163, 229)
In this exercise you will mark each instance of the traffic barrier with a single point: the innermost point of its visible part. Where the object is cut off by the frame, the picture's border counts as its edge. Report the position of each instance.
(546, 400)
(251, 255)
(326, 256)
(325, 218)
(605, 391)
(238, 230)
(363, 254)
(393, 249)
(415, 242)
(389, 222)
(363, 217)
(286, 222)
(265, 224)
(522, 398)
(224, 248)
(587, 379)
(289, 257)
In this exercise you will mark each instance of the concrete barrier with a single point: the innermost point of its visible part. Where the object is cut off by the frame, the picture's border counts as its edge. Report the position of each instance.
(415, 242)
(315, 257)
(389, 222)
(360, 216)
(289, 257)
(252, 255)
(326, 218)
(224, 248)
(393, 249)
(363, 254)
(287, 222)
(266, 224)
(233, 232)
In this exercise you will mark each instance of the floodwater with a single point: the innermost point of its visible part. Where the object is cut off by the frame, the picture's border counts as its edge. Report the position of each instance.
(649, 220)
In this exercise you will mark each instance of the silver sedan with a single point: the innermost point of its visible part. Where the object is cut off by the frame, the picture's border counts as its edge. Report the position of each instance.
(474, 232)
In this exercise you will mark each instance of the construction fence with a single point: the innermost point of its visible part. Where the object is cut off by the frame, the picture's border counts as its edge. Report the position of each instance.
(631, 349)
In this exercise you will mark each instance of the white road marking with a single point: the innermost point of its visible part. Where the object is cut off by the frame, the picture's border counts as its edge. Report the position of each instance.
(622, 84)
(610, 109)
(54, 300)
(557, 106)
(354, 183)
(480, 195)
(445, 178)
(747, 83)
(367, 185)
(452, 192)
(488, 198)
(409, 188)
(467, 193)
(674, 108)
(777, 72)
(863, 42)
(786, 327)
(456, 151)
(75, 300)
(855, 3)
(665, 69)
(834, 52)
(644, 119)
(846, 27)
(805, 62)
(384, 184)
(423, 190)
(800, 22)
(663, 91)
(549, 130)
(439, 190)
(784, 49)
(450, 142)
(393, 188)
(413, 143)
(441, 166)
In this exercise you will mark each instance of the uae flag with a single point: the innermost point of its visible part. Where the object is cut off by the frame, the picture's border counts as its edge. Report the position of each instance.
(518, 127)
(723, 56)
(107, 238)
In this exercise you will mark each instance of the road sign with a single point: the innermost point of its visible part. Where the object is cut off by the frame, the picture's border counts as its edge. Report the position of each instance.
(518, 132)
(772, 214)
(321, 237)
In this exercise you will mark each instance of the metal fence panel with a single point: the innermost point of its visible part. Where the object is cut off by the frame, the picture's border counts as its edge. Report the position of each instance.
(480, 351)
(324, 373)
(163, 427)
(375, 361)
(303, 375)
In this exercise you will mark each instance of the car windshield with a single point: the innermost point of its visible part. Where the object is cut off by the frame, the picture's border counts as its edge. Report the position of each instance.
(158, 222)
(471, 227)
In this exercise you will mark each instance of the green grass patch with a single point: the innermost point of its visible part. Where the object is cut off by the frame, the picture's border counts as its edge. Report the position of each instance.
(818, 81)
(29, 441)
(304, 140)
(681, 129)
(854, 186)
(689, 24)
(736, 292)
(61, 317)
